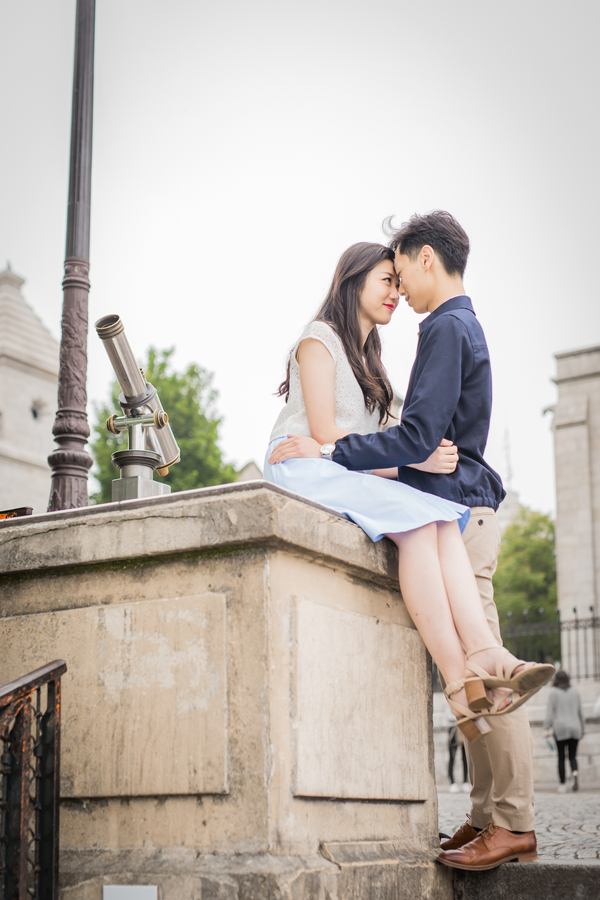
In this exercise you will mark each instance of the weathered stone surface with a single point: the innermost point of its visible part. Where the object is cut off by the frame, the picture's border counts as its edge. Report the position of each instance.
(238, 623)
(258, 877)
(577, 450)
(360, 853)
(153, 676)
(205, 520)
(28, 383)
(372, 755)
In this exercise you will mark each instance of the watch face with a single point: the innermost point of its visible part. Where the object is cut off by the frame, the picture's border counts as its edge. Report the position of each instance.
(327, 449)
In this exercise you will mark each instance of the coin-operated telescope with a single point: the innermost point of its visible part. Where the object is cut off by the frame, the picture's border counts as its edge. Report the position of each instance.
(152, 446)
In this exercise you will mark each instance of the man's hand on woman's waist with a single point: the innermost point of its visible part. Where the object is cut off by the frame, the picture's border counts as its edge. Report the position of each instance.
(442, 461)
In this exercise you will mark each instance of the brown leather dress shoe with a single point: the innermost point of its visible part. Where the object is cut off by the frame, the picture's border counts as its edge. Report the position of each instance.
(492, 847)
(461, 837)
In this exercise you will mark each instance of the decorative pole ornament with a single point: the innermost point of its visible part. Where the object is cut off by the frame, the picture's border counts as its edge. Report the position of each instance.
(70, 462)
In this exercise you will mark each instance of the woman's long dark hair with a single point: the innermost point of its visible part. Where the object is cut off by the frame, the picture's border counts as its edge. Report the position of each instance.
(341, 311)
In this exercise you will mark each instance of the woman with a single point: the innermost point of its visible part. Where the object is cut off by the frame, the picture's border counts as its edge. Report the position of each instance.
(564, 719)
(335, 385)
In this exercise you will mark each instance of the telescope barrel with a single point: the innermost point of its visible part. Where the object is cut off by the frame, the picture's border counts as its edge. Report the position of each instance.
(162, 440)
(137, 392)
(133, 384)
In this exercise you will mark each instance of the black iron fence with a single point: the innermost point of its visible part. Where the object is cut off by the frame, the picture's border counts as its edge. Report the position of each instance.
(29, 784)
(572, 644)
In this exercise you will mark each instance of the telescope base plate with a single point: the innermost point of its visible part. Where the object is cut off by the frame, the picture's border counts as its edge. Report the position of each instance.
(134, 487)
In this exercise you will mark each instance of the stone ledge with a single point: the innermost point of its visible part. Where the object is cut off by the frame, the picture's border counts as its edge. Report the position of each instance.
(362, 853)
(204, 521)
(185, 875)
(164, 499)
(531, 881)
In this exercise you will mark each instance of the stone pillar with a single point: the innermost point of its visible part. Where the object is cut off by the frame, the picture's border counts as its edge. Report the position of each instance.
(577, 451)
(247, 708)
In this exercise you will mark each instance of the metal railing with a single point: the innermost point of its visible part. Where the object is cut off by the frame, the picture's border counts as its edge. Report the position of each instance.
(570, 644)
(29, 784)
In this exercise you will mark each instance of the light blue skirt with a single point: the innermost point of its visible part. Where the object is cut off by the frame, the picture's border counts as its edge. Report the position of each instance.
(379, 505)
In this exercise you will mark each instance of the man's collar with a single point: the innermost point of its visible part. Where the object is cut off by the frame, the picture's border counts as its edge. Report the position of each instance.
(460, 302)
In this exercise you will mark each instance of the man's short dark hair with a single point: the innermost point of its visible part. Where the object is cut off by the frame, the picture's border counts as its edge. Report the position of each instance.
(439, 230)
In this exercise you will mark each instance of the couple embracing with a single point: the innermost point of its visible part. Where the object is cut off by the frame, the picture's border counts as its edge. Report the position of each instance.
(425, 485)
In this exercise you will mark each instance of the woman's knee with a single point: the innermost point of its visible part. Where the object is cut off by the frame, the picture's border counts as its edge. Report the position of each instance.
(423, 536)
(448, 528)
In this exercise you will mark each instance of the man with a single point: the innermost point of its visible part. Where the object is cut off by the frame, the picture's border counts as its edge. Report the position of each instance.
(449, 397)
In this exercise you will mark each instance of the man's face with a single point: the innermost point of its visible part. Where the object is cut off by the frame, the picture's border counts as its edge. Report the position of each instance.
(413, 286)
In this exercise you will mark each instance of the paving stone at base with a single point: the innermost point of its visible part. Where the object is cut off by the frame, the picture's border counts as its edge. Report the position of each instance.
(567, 826)
(570, 880)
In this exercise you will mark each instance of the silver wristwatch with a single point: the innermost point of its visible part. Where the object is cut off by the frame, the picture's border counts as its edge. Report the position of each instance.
(327, 450)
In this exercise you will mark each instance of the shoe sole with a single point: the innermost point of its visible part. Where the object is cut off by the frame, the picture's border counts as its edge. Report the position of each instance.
(527, 695)
(527, 857)
(530, 680)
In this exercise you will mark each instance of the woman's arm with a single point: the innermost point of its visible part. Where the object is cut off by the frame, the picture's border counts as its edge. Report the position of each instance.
(317, 379)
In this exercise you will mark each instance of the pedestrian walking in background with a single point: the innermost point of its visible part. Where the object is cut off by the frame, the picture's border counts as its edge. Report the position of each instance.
(564, 719)
(455, 743)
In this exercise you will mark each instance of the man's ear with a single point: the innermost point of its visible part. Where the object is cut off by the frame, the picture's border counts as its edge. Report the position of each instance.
(427, 255)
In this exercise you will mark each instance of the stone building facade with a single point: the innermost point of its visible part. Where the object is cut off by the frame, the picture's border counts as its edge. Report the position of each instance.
(577, 451)
(28, 390)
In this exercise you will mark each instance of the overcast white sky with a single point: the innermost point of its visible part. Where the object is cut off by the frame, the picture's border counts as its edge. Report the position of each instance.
(240, 147)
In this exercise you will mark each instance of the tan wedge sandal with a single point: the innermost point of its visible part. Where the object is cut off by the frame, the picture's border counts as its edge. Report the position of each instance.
(471, 725)
(523, 684)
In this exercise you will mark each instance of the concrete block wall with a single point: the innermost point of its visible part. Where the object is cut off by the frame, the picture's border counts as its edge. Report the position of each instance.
(247, 708)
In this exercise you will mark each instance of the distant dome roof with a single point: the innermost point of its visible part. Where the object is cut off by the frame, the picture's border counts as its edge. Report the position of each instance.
(23, 336)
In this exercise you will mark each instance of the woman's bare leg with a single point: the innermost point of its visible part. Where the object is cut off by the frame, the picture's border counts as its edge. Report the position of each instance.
(463, 595)
(424, 593)
(461, 588)
(427, 577)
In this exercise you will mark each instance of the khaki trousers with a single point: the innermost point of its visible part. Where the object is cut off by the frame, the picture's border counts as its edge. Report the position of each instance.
(500, 763)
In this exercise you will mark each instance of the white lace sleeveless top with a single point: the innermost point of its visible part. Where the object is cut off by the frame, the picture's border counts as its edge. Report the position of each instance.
(351, 413)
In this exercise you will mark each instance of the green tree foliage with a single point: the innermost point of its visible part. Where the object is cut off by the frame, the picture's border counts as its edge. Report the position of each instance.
(525, 579)
(189, 400)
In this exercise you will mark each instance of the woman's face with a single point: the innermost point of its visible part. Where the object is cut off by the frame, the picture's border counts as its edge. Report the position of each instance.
(379, 296)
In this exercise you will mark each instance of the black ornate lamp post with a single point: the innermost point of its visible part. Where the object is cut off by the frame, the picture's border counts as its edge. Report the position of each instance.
(70, 462)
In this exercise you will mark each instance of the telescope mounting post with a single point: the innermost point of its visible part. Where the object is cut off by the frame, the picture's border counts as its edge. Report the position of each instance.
(136, 464)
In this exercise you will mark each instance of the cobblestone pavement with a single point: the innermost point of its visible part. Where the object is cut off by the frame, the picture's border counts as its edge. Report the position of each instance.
(567, 825)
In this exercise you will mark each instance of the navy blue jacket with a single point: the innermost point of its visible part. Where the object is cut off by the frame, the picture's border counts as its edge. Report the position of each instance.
(449, 396)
